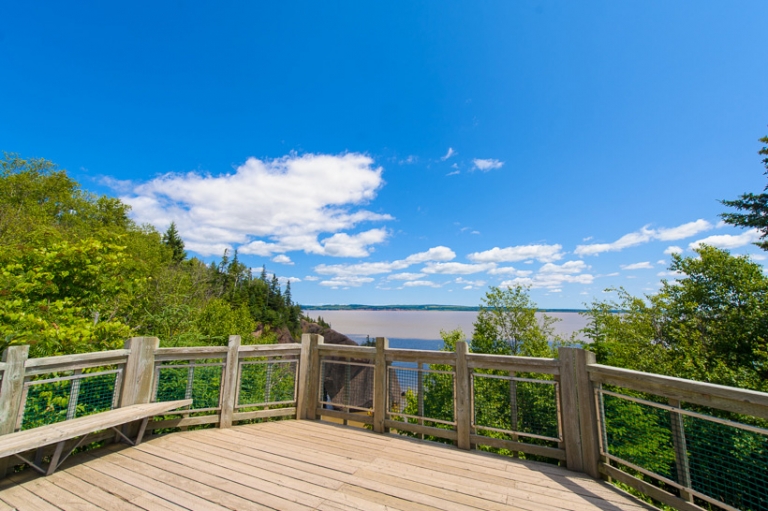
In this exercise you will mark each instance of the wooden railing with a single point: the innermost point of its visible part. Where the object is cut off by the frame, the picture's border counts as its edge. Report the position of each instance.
(591, 418)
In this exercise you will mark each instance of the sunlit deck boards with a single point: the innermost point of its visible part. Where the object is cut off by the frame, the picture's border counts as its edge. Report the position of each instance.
(304, 465)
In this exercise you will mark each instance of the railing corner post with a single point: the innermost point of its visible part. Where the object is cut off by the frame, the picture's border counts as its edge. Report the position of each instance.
(380, 385)
(11, 393)
(138, 375)
(463, 399)
(569, 400)
(309, 374)
(589, 426)
(230, 383)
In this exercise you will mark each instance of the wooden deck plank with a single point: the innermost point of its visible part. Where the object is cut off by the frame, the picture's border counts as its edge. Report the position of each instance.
(303, 465)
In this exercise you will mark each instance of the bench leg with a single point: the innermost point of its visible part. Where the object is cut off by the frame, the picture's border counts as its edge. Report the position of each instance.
(54, 464)
(142, 429)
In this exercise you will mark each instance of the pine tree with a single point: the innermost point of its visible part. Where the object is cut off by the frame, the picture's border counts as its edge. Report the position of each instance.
(172, 240)
(287, 295)
(754, 206)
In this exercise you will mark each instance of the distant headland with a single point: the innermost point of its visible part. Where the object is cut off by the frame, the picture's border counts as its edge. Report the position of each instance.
(427, 307)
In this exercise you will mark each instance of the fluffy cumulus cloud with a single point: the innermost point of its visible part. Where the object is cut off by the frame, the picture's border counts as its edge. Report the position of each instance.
(645, 235)
(569, 267)
(509, 270)
(457, 268)
(406, 276)
(486, 165)
(542, 253)
(728, 240)
(269, 207)
(553, 276)
(421, 283)
(282, 259)
(351, 281)
(673, 250)
(344, 270)
(645, 265)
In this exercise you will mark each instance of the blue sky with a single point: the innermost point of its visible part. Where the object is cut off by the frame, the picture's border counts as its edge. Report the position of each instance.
(405, 152)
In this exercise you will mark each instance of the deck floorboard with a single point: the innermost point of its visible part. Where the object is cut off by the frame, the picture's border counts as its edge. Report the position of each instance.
(304, 465)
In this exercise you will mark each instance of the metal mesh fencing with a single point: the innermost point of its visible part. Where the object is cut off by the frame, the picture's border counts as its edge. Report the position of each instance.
(418, 395)
(200, 381)
(711, 459)
(267, 383)
(522, 409)
(346, 385)
(50, 400)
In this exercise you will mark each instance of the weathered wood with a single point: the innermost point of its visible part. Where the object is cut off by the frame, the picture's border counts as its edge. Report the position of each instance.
(538, 450)
(463, 399)
(43, 365)
(380, 385)
(139, 370)
(11, 394)
(448, 434)
(429, 357)
(269, 350)
(513, 364)
(747, 402)
(340, 350)
(191, 353)
(588, 424)
(183, 422)
(230, 382)
(303, 376)
(20, 441)
(349, 416)
(569, 403)
(648, 489)
(312, 383)
(264, 414)
(677, 428)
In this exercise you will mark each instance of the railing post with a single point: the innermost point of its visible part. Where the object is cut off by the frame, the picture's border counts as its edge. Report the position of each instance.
(570, 409)
(138, 375)
(11, 392)
(380, 385)
(589, 427)
(309, 374)
(230, 383)
(463, 411)
(681, 450)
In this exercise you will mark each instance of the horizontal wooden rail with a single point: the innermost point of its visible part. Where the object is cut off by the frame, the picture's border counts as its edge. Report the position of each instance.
(514, 364)
(338, 414)
(538, 450)
(340, 350)
(251, 350)
(731, 399)
(426, 356)
(43, 365)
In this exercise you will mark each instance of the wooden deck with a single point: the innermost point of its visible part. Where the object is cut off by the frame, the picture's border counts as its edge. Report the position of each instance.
(301, 465)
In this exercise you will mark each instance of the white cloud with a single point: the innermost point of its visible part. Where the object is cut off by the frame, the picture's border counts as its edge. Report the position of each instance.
(282, 259)
(469, 284)
(758, 257)
(439, 253)
(406, 276)
(268, 207)
(673, 250)
(565, 268)
(356, 245)
(683, 231)
(453, 173)
(645, 265)
(645, 235)
(420, 283)
(457, 268)
(661, 261)
(669, 274)
(283, 280)
(450, 153)
(486, 165)
(549, 281)
(728, 240)
(337, 282)
(509, 270)
(312, 278)
(543, 253)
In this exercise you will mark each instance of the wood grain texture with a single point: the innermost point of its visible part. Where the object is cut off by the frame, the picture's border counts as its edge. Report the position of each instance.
(302, 465)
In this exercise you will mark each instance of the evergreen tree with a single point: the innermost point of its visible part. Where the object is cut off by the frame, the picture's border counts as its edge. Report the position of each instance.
(754, 207)
(172, 240)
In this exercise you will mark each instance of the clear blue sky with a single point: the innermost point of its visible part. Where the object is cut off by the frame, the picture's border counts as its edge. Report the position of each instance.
(405, 152)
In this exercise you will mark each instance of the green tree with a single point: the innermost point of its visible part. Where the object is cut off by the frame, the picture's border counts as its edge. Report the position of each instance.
(753, 208)
(173, 241)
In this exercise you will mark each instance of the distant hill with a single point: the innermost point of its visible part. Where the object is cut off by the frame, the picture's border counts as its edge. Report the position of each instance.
(426, 307)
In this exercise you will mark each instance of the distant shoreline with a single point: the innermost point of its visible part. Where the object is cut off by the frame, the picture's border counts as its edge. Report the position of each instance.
(428, 307)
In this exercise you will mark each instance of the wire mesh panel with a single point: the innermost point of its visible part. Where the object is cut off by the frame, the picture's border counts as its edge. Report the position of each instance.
(60, 398)
(524, 409)
(346, 385)
(267, 383)
(711, 458)
(418, 395)
(200, 381)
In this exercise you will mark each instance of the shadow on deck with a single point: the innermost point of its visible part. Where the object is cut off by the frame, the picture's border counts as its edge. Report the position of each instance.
(305, 465)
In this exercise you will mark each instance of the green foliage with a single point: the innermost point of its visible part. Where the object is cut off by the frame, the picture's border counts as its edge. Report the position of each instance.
(754, 207)
(218, 320)
(173, 241)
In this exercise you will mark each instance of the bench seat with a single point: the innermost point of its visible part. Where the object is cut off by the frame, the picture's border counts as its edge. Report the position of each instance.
(14, 443)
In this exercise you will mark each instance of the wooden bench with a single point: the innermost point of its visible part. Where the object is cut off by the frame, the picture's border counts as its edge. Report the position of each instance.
(14, 443)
